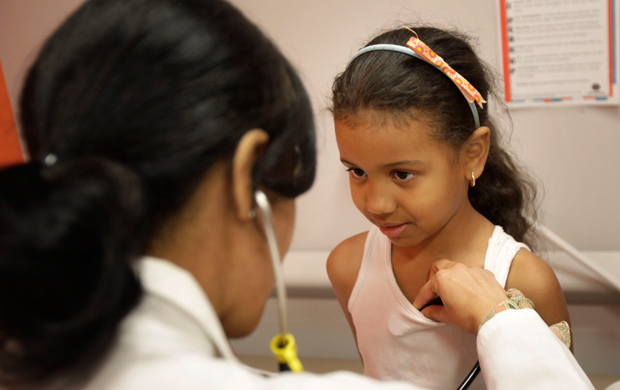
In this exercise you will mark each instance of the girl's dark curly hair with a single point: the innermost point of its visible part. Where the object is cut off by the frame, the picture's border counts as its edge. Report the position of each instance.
(406, 88)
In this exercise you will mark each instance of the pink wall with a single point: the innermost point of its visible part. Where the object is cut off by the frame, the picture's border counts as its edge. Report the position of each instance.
(24, 25)
(572, 151)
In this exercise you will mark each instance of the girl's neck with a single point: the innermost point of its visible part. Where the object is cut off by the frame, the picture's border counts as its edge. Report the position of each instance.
(461, 239)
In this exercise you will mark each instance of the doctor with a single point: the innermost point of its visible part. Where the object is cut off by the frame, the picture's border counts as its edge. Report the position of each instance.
(130, 246)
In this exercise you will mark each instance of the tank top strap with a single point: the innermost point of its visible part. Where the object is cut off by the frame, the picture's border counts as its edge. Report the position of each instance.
(372, 261)
(501, 251)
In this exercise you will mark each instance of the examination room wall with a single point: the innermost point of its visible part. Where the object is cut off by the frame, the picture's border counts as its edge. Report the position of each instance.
(574, 153)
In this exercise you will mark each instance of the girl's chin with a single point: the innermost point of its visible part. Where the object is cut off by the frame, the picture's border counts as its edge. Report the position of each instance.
(407, 241)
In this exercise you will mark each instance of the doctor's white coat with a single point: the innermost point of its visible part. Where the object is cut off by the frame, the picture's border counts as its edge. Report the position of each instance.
(174, 341)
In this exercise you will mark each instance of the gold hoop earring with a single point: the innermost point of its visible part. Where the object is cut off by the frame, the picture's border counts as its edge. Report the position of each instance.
(472, 182)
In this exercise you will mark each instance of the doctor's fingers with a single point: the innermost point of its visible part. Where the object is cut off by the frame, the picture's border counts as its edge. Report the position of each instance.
(454, 311)
(429, 292)
(437, 313)
(439, 265)
(467, 294)
(450, 277)
(426, 295)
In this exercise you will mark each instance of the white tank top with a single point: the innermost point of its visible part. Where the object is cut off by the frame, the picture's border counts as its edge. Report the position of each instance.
(396, 341)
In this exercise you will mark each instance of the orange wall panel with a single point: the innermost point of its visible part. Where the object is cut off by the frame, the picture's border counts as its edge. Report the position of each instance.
(10, 150)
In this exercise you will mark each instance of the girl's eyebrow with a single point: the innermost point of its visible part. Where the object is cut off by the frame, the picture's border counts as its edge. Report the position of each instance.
(346, 162)
(405, 162)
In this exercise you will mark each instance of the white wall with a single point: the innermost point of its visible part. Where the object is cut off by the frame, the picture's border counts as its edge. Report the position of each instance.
(572, 151)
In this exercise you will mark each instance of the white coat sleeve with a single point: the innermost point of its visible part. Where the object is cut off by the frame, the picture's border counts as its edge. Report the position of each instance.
(517, 350)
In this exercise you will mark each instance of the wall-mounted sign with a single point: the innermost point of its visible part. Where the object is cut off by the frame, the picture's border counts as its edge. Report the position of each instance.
(559, 52)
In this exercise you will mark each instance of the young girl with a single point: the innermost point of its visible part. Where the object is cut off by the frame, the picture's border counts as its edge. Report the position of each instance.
(427, 169)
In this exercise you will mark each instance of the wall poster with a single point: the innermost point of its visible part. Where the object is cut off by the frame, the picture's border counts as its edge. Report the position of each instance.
(559, 52)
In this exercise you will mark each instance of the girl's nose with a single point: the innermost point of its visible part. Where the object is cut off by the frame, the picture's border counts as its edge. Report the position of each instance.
(379, 201)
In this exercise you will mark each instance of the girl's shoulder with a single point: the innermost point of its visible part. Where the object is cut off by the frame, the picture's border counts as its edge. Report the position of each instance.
(537, 280)
(530, 272)
(345, 260)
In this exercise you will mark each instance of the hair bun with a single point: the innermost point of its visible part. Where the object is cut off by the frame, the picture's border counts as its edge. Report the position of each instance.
(67, 235)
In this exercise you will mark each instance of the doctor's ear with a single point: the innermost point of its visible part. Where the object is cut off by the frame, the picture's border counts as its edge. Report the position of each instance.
(249, 149)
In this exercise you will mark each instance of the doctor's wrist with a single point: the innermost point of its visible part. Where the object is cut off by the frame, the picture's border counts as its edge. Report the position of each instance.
(516, 300)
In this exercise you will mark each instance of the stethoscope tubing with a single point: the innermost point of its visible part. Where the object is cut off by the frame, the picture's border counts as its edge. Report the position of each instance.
(265, 210)
(469, 379)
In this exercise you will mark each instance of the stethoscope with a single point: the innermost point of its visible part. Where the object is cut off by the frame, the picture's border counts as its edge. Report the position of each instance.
(469, 379)
(283, 344)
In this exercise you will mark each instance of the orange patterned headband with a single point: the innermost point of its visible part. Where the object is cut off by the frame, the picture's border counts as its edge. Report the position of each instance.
(418, 49)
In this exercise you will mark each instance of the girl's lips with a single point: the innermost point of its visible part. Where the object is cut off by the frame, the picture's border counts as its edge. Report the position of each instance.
(393, 231)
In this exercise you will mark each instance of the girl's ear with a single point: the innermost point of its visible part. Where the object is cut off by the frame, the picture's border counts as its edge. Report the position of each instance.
(250, 148)
(476, 152)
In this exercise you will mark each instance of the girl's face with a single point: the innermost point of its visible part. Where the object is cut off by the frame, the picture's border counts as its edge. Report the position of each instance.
(404, 181)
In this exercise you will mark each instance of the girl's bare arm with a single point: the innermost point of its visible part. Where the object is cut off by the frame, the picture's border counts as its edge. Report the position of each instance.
(535, 278)
(343, 265)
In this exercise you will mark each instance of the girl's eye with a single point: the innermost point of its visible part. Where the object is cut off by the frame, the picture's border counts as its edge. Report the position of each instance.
(403, 176)
(356, 172)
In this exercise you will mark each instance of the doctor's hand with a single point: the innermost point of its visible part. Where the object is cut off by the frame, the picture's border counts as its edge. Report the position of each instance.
(467, 295)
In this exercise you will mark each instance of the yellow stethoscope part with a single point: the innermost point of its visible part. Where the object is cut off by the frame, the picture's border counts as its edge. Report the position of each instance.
(285, 351)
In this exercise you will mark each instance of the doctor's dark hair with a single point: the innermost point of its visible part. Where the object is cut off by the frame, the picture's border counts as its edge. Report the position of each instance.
(401, 88)
(137, 99)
